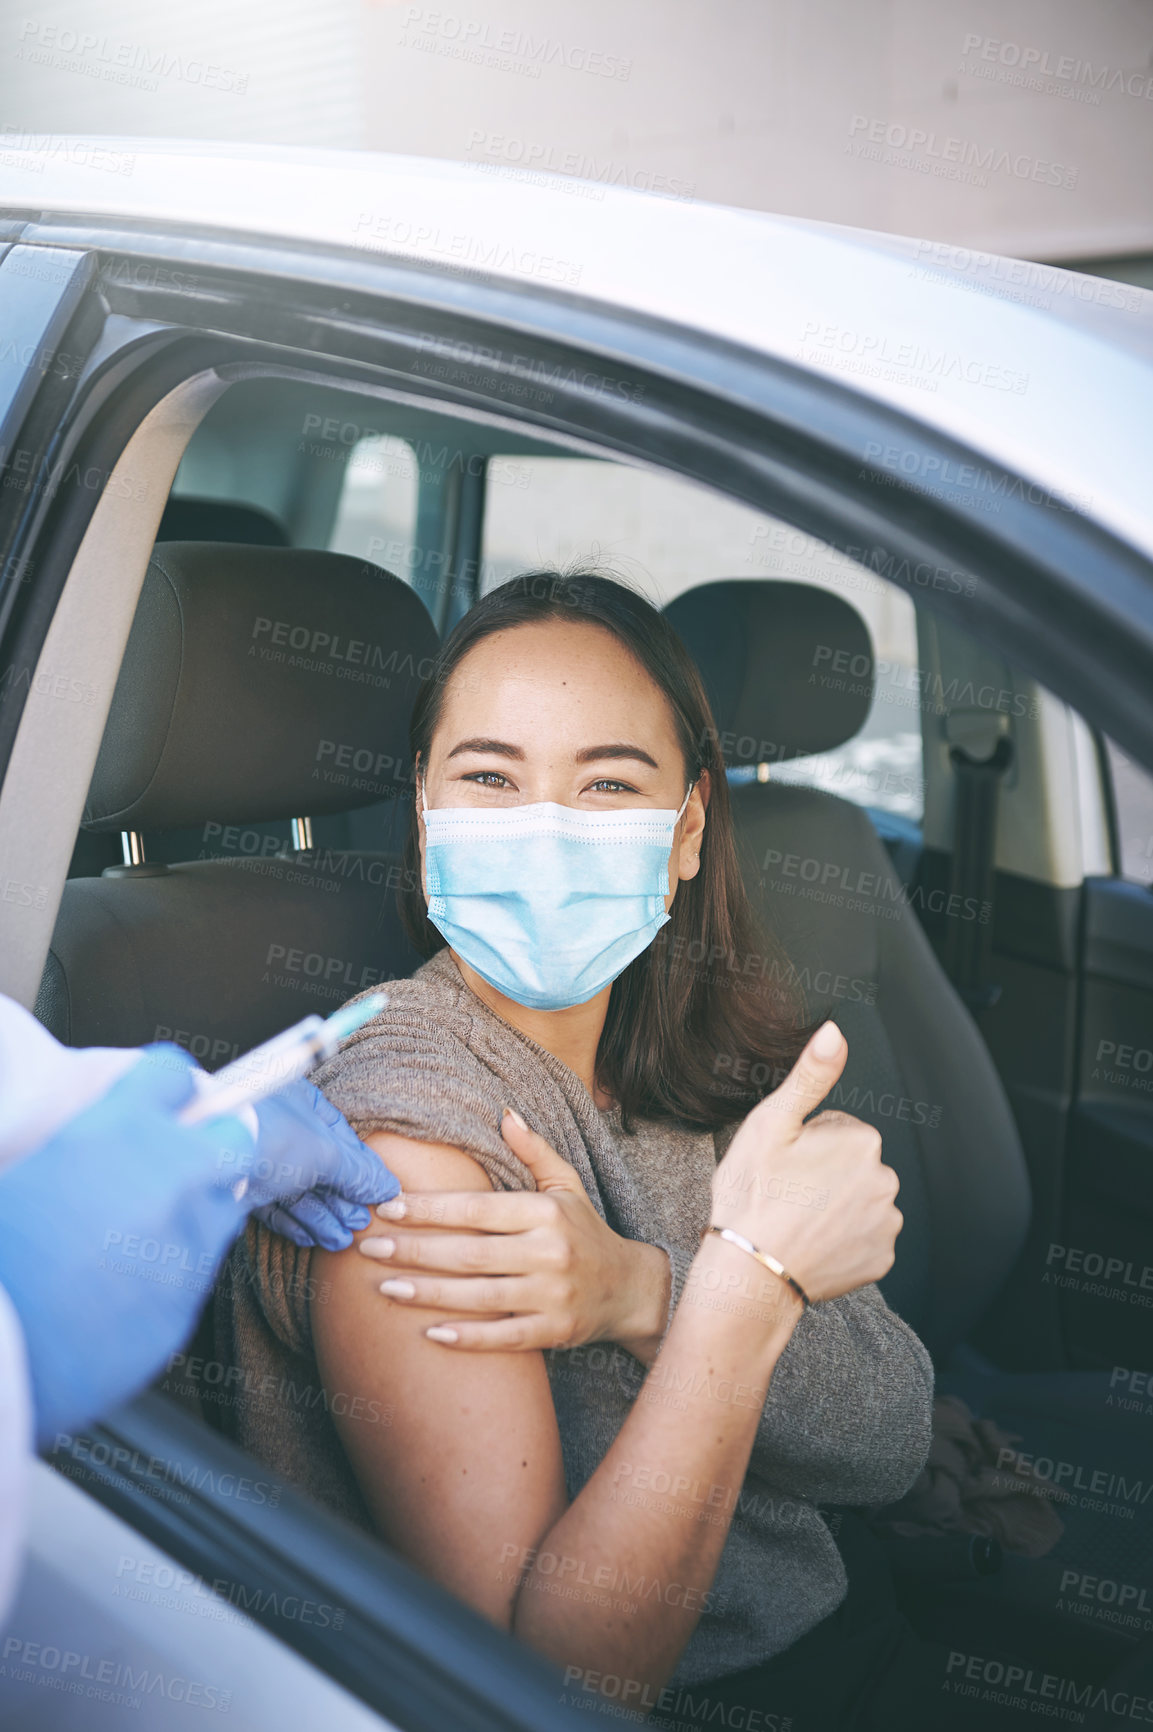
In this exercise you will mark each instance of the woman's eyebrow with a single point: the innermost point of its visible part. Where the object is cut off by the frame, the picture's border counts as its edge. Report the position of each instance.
(594, 754)
(501, 748)
(590, 755)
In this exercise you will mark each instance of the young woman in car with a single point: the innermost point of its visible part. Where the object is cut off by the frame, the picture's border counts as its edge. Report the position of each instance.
(627, 1476)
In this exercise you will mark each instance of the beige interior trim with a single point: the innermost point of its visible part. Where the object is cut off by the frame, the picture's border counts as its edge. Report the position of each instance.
(1051, 824)
(55, 750)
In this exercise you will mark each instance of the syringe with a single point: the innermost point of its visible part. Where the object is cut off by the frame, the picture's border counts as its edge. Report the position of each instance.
(279, 1061)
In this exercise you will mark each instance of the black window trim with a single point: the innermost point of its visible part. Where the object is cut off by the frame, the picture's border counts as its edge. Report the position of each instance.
(404, 1646)
(763, 431)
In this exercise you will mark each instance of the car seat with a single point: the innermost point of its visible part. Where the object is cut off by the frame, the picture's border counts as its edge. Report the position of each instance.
(258, 683)
(918, 1070)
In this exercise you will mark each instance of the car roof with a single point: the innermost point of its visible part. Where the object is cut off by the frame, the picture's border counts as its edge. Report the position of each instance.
(1043, 371)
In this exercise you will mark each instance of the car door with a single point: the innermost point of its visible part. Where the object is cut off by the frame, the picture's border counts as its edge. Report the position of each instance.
(750, 426)
(185, 1580)
(1102, 1262)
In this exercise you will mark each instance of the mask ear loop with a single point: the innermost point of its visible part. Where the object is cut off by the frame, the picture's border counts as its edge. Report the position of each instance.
(684, 802)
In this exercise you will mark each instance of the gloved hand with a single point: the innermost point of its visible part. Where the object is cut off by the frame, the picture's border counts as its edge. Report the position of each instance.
(315, 1166)
(111, 1233)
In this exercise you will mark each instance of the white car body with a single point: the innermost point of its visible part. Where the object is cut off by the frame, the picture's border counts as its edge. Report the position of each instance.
(1043, 370)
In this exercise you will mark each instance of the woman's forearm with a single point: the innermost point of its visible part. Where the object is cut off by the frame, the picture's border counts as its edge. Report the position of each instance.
(620, 1579)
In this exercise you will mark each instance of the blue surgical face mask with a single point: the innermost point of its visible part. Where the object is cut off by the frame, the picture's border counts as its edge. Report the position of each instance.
(548, 903)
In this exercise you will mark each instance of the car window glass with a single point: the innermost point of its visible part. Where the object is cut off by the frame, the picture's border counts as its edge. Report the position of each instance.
(376, 511)
(1133, 803)
(667, 536)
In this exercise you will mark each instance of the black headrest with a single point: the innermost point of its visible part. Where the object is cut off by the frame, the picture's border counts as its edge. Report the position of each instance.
(260, 682)
(788, 667)
(220, 520)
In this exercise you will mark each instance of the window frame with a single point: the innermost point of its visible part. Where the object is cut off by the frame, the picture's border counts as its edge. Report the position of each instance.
(762, 431)
(407, 1648)
(1106, 775)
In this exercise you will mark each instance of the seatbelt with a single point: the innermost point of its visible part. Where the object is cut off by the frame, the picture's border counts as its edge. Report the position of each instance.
(980, 751)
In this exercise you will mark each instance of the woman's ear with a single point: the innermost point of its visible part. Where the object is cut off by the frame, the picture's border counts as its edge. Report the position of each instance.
(692, 833)
(418, 789)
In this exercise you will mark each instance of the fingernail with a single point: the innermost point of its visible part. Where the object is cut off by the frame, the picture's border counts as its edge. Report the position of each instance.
(393, 1210)
(398, 1289)
(440, 1332)
(511, 1113)
(826, 1041)
(378, 1247)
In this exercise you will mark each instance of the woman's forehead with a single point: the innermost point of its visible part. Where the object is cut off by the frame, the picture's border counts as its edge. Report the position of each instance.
(548, 670)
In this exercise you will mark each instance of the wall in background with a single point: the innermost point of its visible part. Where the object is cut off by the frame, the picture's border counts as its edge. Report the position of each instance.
(1024, 128)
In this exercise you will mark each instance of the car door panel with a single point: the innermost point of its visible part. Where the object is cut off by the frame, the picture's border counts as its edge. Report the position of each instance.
(1102, 1262)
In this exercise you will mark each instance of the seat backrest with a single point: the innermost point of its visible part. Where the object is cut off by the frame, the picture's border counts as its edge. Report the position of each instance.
(823, 883)
(190, 519)
(258, 683)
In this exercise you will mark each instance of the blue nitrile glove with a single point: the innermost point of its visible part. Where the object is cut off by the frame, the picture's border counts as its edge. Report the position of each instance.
(110, 1237)
(112, 1233)
(315, 1169)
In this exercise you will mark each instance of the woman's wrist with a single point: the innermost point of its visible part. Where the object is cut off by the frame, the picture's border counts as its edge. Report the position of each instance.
(645, 1291)
(734, 1236)
(724, 1282)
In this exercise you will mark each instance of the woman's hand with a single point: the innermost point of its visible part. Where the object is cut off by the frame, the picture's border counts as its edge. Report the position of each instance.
(815, 1195)
(545, 1258)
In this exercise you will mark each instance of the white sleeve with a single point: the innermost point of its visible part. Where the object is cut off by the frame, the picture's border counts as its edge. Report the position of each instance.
(44, 1084)
(15, 1449)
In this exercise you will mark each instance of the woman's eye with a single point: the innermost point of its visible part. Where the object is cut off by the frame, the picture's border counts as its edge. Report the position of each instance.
(487, 779)
(605, 785)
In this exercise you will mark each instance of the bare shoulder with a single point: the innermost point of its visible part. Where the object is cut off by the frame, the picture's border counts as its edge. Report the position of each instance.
(354, 1280)
(428, 1166)
(470, 1459)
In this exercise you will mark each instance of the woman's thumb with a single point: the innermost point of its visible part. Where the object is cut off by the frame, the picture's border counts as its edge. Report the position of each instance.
(816, 1071)
(550, 1170)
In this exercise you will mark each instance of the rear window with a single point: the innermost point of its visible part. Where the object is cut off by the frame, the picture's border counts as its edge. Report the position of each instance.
(666, 536)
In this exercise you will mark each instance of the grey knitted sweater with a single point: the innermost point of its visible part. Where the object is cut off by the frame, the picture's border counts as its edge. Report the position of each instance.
(848, 1414)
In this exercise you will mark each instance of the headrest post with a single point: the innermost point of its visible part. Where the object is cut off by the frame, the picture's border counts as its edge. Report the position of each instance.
(302, 834)
(132, 845)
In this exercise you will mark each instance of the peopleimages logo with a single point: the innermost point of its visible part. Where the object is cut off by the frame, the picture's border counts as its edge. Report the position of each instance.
(55, 147)
(675, 1706)
(475, 39)
(117, 1682)
(1031, 66)
(826, 342)
(606, 1579)
(463, 253)
(508, 153)
(1026, 1687)
(928, 152)
(164, 1470)
(931, 472)
(1013, 279)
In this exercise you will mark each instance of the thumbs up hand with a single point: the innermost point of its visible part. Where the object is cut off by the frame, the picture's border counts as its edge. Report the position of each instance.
(814, 1193)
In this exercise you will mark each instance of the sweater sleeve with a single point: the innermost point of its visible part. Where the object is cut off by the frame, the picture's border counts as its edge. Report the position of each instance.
(410, 1073)
(849, 1413)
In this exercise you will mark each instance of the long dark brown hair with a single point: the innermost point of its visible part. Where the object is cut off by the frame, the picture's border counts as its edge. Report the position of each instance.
(708, 1018)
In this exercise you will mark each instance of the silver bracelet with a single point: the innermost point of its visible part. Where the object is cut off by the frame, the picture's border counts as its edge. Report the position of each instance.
(763, 1257)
